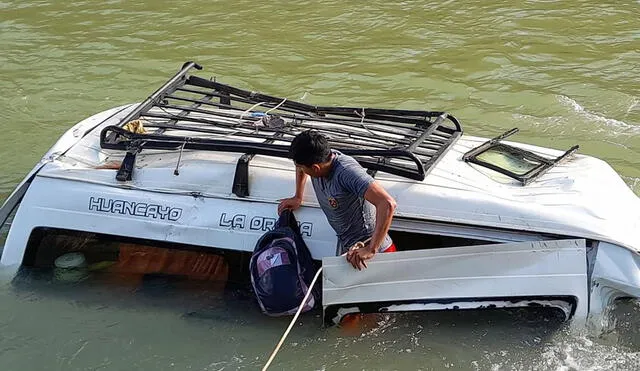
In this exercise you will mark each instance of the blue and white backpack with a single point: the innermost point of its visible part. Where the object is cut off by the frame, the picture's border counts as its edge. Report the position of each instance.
(282, 269)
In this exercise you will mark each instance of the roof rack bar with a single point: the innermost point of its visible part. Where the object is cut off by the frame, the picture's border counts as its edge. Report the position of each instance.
(350, 111)
(437, 156)
(294, 118)
(168, 142)
(427, 132)
(198, 81)
(224, 133)
(168, 116)
(187, 110)
(168, 87)
(248, 102)
(410, 122)
(337, 133)
(387, 114)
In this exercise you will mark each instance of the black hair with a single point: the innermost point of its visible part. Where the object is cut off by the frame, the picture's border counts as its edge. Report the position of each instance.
(309, 148)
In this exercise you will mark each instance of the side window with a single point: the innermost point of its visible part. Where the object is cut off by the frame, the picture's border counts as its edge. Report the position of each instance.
(78, 255)
(406, 241)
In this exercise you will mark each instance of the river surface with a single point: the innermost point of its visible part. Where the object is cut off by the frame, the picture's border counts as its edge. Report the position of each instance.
(564, 72)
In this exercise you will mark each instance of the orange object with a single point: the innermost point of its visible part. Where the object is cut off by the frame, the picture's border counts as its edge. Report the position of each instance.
(354, 324)
(135, 261)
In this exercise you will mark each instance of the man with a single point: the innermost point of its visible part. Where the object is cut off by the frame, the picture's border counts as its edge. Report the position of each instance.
(355, 205)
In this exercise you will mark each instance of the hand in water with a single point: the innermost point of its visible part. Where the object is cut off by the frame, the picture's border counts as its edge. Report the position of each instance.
(292, 203)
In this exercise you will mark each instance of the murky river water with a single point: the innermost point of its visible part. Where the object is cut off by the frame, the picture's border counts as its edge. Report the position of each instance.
(563, 72)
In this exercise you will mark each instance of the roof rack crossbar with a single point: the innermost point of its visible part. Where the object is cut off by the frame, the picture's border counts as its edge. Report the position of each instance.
(300, 121)
(167, 115)
(179, 139)
(198, 81)
(409, 121)
(387, 114)
(254, 96)
(338, 136)
(427, 133)
(167, 88)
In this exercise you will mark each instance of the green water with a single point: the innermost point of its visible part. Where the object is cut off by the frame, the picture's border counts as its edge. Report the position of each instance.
(565, 73)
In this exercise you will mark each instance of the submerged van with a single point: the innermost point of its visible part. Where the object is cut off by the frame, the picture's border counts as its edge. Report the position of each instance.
(200, 166)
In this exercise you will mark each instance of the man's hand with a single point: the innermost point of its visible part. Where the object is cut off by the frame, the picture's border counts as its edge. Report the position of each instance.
(292, 203)
(358, 254)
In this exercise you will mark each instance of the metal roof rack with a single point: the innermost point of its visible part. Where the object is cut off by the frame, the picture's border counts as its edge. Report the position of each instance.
(189, 112)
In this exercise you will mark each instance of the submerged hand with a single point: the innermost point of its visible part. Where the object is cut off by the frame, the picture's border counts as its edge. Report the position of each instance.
(358, 254)
(292, 203)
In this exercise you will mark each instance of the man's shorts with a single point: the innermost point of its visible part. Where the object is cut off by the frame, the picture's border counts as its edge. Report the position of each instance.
(391, 248)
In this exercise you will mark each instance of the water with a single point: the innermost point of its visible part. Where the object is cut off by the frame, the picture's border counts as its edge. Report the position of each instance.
(565, 73)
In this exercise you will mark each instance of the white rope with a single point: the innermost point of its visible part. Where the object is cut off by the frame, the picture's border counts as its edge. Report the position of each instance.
(250, 108)
(295, 317)
(362, 122)
(259, 104)
(279, 104)
(357, 245)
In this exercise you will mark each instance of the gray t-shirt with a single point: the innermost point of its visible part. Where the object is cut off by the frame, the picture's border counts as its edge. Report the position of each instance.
(341, 196)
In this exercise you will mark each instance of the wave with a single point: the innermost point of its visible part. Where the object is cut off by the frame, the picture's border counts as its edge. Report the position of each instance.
(633, 105)
(577, 108)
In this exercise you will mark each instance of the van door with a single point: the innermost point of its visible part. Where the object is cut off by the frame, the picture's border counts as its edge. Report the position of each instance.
(552, 273)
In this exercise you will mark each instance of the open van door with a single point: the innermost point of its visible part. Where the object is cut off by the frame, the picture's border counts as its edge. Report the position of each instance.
(550, 273)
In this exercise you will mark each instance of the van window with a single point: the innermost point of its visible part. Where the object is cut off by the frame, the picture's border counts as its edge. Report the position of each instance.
(406, 241)
(78, 255)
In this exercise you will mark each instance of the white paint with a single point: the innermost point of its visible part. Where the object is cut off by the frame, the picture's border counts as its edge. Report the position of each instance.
(471, 273)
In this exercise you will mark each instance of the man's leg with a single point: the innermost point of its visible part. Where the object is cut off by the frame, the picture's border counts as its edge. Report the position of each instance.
(355, 323)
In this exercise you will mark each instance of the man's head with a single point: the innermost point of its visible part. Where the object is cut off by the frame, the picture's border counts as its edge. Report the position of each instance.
(310, 151)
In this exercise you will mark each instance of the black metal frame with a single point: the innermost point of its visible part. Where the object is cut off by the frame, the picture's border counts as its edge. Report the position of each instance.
(331, 311)
(528, 177)
(406, 143)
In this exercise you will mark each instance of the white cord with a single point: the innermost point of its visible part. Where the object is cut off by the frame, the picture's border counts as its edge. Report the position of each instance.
(304, 300)
(259, 104)
(279, 104)
(284, 336)
(362, 121)
(250, 108)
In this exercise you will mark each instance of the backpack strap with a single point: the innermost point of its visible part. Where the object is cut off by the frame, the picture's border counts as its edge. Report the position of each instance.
(287, 219)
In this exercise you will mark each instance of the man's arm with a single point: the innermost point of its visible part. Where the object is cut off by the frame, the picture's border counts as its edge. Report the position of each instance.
(385, 207)
(294, 202)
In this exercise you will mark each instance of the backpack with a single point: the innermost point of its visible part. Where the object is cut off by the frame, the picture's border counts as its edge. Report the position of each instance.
(282, 269)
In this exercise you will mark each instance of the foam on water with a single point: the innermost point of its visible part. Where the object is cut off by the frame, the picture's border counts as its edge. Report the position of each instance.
(591, 116)
(633, 182)
(633, 105)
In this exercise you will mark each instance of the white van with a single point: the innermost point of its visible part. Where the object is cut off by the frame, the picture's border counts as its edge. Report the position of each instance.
(202, 165)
